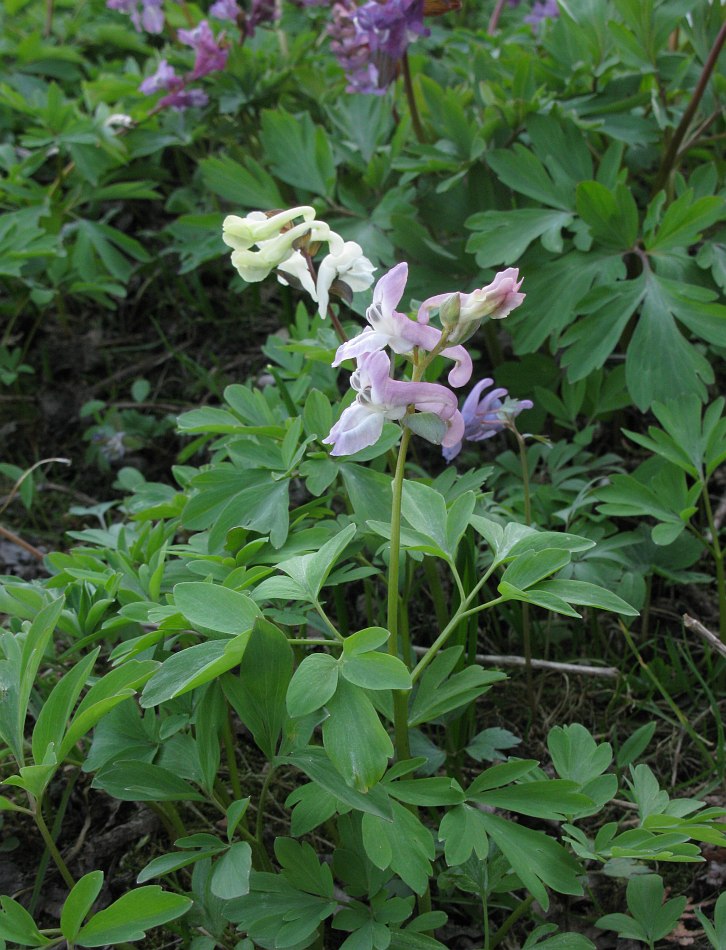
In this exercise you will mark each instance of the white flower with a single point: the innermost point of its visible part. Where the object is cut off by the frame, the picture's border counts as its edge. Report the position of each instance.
(241, 233)
(345, 262)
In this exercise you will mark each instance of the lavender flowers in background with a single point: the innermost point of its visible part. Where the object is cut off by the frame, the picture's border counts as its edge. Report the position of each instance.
(225, 10)
(369, 41)
(211, 56)
(147, 15)
(542, 10)
(485, 416)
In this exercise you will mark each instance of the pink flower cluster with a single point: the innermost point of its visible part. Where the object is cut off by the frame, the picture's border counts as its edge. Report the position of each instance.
(380, 397)
(210, 56)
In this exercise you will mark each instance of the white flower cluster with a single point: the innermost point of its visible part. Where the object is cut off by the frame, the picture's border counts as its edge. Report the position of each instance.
(263, 242)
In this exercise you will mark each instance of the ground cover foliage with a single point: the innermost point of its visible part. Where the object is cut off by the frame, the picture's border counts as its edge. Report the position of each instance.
(257, 685)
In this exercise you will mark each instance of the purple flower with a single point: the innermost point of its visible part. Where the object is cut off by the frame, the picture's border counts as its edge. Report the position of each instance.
(261, 11)
(163, 78)
(485, 417)
(182, 99)
(225, 10)
(379, 398)
(396, 330)
(149, 17)
(369, 41)
(210, 55)
(542, 10)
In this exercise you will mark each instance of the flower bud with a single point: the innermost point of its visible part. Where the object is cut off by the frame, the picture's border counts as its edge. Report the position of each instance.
(449, 311)
(241, 233)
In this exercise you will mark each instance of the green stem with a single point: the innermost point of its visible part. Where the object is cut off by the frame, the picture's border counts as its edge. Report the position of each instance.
(411, 97)
(676, 710)
(51, 845)
(328, 622)
(260, 823)
(55, 832)
(448, 630)
(400, 698)
(516, 914)
(718, 558)
(670, 159)
(526, 618)
(229, 748)
(433, 582)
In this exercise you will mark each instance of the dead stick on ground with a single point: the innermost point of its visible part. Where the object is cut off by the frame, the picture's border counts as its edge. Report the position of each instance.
(692, 624)
(21, 544)
(607, 671)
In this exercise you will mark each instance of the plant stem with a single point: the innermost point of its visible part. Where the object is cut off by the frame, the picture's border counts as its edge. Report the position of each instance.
(670, 158)
(400, 699)
(447, 631)
(718, 558)
(511, 921)
(328, 622)
(526, 619)
(411, 97)
(433, 582)
(675, 709)
(231, 757)
(260, 823)
(494, 19)
(51, 845)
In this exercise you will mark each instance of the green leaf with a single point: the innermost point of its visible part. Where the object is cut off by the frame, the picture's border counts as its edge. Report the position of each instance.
(684, 222)
(519, 168)
(660, 364)
(132, 915)
(410, 844)
(143, 782)
(611, 215)
(113, 688)
(532, 566)
(590, 595)
(258, 692)
(78, 904)
(365, 641)
(18, 926)
(312, 684)
(298, 151)
(438, 790)
(553, 799)
(302, 868)
(212, 607)
(487, 744)
(168, 863)
(503, 237)
(246, 186)
(318, 767)
(501, 774)
(462, 832)
(310, 571)
(18, 672)
(53, 717)
(376, 671)
(439, 692)
(370, 493)
(607, 310)
(231, 874)
(193, 666)
(635, 745)
(535, 857)
(355, 739)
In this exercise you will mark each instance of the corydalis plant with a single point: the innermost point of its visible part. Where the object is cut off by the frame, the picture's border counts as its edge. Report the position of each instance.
(263, 242)
(379, 396)
(210, 55)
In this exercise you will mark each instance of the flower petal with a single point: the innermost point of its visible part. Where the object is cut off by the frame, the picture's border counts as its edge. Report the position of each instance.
(358, 427)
